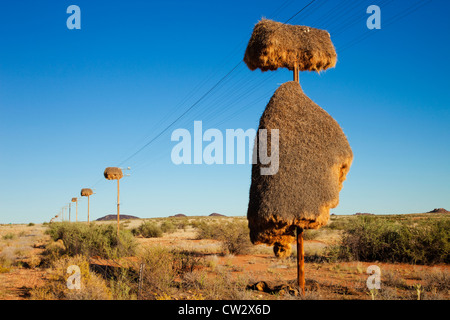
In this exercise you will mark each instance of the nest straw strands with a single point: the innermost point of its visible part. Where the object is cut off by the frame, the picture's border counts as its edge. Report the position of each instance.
(276, 45)
(113, 173)
(314, 158)
(86, 192)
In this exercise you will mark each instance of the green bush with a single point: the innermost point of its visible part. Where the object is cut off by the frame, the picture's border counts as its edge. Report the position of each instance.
(181, 223)
(93, 287)
(9, 236)
(93, 240)
(395, 240)
(148, 230)
(159, 271)
(207, 230)
(167, 227)
(338, 224)
(234, 235)
(310, 234)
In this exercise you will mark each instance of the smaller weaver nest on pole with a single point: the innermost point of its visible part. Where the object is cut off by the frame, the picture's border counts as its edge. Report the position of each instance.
(276, 45)
(86, 192)
(113, 173)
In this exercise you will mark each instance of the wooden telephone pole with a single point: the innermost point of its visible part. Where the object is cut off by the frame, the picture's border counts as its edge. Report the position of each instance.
(118, 207)
(296, 75)
(76, 210)
(114, 173)
(300, 248)
(86, 192)
(300, 261)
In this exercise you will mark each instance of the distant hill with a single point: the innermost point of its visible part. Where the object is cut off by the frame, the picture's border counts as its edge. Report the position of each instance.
(438, 210)
(111, 217)
(178, 215)
(214, 214)
(363, 214)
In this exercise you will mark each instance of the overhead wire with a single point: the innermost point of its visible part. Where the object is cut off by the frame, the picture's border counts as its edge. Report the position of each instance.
(216, 85)
(213, 112)
(413, 8)
(202, 97)
(241, 87)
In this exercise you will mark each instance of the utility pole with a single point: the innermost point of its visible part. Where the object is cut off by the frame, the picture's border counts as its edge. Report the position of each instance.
(113, 173)
(300, 261)
(86, 192)
(118, 207)
(76, 208)
(296, 75)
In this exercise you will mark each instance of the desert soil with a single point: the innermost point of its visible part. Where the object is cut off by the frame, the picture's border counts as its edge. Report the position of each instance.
(341, 280)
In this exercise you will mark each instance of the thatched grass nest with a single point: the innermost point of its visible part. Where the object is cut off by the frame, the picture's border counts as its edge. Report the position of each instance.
(276, 45)
(314, 158)
(113, 173)
(86, 192)
(74, 199)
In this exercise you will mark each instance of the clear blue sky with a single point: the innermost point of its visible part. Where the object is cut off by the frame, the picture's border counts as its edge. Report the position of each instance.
(73, 102)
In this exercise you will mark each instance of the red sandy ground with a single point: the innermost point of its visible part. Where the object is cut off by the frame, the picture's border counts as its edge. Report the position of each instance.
(343, 280)
(16, 284)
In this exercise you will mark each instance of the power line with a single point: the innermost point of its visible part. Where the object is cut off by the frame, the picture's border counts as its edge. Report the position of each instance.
(301, 10)
(202, 97)
(215, 86)
(246, 92)
(182, 115)
(396, 18)
(212, 111)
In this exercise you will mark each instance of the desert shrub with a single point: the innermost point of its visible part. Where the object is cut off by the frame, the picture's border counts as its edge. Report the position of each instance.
(234, 235)
(310, 234)
(195, 223)
(207, 230)
(159, 272)
(438, 280)
(123, 284)
(222, 286)
(148, 230)
(186, 261)
(167, 227)
(93, 287)
(393, 279)
(33, 262)
(235, 238)
(171, 274)
(5, 264)
(93, 239)
(338, 224)
(379, 239)
(181, 223)
(9, 236)
(53, 251)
